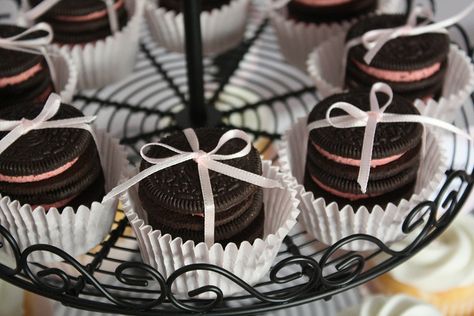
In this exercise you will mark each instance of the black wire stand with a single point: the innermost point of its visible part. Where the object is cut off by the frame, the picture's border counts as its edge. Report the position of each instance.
(230, 91)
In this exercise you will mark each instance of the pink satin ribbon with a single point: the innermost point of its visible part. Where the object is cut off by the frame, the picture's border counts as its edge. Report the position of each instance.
(375, 40)
(46, 5)
(33, 46)
(42, 121)
(358, 118)
(205, 161)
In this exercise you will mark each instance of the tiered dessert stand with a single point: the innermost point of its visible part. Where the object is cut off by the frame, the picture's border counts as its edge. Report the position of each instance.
(253, 89)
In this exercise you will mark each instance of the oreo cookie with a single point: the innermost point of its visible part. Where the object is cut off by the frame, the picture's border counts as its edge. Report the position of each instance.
(173, 199)
(51, 167)
(23, 76)
(80, 22)
(334, 154)
(324, 11)
(414, 66)
(206, 5)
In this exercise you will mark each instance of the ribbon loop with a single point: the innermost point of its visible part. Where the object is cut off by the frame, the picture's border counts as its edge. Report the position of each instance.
(35, 46)
(374, 40)
(357, 118)
(205, 161)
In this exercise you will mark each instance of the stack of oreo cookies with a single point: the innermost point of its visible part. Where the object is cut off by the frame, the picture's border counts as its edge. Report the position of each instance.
(54, 167)
(333, 159)
(414, 66)
(172, 198)
(23, 76)
(320, 11)
(206, 5)
(79, 22)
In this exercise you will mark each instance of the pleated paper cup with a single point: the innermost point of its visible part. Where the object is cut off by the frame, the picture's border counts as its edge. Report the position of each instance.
(329, 222)
(250, 262)
(111, 59)
(66, 73)
(75, 231)
(222, 28)
(325, 68)
(297, 39)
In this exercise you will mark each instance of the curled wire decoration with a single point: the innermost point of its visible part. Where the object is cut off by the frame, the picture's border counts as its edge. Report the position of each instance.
(5, 236)
(423, 217)
(309, 268)
(57, 281)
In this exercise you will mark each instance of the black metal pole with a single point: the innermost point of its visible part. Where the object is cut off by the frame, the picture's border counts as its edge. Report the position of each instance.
(197, 110)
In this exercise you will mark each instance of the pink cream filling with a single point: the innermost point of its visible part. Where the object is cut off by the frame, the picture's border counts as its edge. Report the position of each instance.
(356, 162)
(20, 77)
(345, 195)
(399, 76)
(89, 17)
(323, 2)
(37, 177)
(58, 204)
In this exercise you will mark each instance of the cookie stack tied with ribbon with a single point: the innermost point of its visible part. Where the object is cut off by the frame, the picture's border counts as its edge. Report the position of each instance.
(301, 25)
(208, 185)
(174, 203)
(334, 155)
(223, 24)
(361, 162)
(29, 69)
(51, 178)
(101, 35)
(414, 66)
(412, 54)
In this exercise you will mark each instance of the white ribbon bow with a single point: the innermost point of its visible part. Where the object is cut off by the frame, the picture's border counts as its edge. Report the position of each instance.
(42, 121)
(35, 46)
(205, 161)
(358, 118)
(45, 5)
(375, 40)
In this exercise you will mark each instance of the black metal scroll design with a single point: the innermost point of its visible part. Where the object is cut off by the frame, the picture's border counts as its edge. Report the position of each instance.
(423, 217)
(306, 263)
(58, 282)
(313, 279)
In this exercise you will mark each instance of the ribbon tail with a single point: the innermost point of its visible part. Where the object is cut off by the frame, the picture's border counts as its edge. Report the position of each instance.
(10, 138)
(366, 157)
(112, 14)
(241, 175)
(40, 9)
(209, 206)
(146, 173)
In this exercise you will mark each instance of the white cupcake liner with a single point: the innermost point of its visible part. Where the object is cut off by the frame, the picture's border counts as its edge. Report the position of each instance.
(222, 28)
(329, 222)
(66, 74)
(298, 39)
(74, 231)
(325, 68)
(111, 59)
(250, 262)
